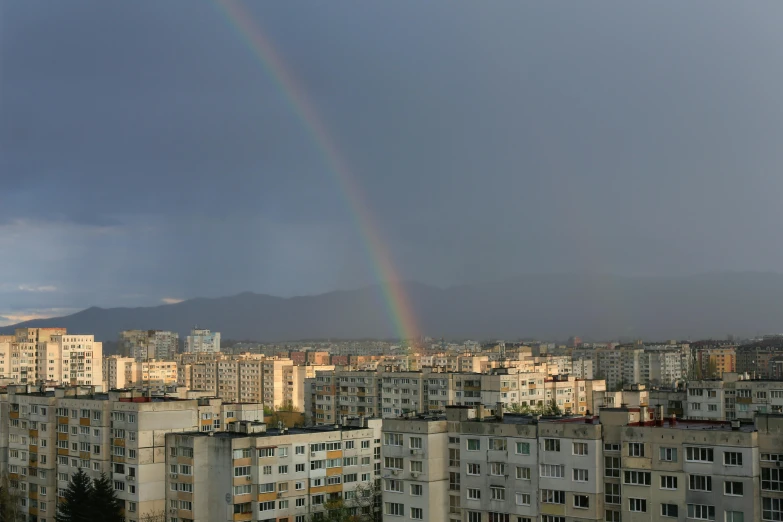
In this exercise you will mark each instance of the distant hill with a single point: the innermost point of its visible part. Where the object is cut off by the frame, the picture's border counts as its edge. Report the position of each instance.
(546, 306)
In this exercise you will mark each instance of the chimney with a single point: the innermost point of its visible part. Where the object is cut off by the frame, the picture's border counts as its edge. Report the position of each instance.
(643, 417)
(499, 410)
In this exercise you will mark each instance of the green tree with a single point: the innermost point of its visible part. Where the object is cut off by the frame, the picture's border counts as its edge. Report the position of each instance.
(104, 504)
(75, 506)
(10, 505)
(553, 408)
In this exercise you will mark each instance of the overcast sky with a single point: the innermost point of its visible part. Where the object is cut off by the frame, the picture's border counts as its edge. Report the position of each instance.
(146, 155)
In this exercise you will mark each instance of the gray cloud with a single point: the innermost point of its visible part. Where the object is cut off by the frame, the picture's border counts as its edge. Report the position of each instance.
(146, 153)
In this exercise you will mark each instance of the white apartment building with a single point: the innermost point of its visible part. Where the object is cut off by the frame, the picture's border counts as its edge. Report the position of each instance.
(733, 397)
(202, 341)
(252, 472)
(632, 464)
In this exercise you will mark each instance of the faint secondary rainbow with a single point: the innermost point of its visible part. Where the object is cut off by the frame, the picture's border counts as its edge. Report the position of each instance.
(396, 301)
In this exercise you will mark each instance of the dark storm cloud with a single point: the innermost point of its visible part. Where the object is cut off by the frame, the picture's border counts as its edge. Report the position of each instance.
(146, 153)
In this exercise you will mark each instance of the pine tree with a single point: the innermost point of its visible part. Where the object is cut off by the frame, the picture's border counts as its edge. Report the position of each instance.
(75, 506)
(104, 504)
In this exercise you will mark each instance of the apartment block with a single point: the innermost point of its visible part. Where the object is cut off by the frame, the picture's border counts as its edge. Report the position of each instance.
(52, 433)
(733, 397)
(202, 341)
(251, 472)
(631, 464)
(142, 345)
(126, 372)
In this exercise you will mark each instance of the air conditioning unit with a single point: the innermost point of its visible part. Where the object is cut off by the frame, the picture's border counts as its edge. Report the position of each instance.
(415, 474)
(248, 478)
(173, 511)
(279, 495)
(396, 471)
(173, 475)
(130, 478)
(413, 452)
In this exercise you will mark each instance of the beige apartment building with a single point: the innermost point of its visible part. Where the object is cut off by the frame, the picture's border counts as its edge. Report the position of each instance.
(51, 434)
(51, 355)
(255, 472)
(733, 397)
(274, 381)
(126, 372)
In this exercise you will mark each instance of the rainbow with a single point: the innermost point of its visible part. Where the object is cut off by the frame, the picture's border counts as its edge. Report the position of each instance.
(396, 301)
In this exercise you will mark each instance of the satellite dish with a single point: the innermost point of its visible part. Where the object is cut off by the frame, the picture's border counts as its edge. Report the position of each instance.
(228, 498)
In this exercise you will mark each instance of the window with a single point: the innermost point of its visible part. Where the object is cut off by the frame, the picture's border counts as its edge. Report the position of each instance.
(611, 447)
(301, 502)
(580, 475)
(497, 493)
(735, 516)
(282, 470)
(266, 506)
(298, 486)
(636, 449)
(417, 513)
(394, 509)
(417, 490)
(523, 473)
(552, 496)
(238, 490)
(454, 457)
(772, 457)
(732, 458)
(693, 454)
(551, 444)
(638, 478)
(700, 483)
(299, 450)
(299, 468)
(669, 454)
(638, 505)
(772, 479)
(497, 469)
(522, 499)
(264, 452)
(454, 481)
(772, 509)
(523, 448)
(474, 469)
(474, 516)
(498, 517)
(701, 512)
(119, 486)
(732, 488)
(552, 471)
(669, 510)
(497, 444)
(393, 463)
(668, 482)
(612, 467)
(416, 466)
(581, 501)
(474, 494)
(580, 448)
(242, 471)
(474, 444)
(415, 442)
(611, 516)
(267, 487)
(611, 493)
(391, 439)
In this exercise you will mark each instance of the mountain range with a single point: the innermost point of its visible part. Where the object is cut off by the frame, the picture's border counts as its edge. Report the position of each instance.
(532, 306)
